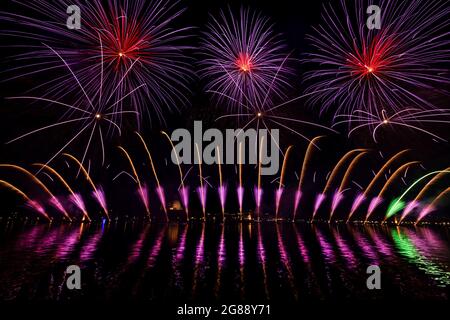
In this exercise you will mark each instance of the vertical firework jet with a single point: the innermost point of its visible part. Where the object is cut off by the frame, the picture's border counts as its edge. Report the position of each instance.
(202, 189)
(280, 189)
(258, 190)
(222, 188)
(240, 189)
(183, 190)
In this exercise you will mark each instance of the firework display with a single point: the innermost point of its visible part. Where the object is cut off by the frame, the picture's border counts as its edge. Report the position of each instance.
(242, 59)
(130, 44)
(182, 153)
(362, 71)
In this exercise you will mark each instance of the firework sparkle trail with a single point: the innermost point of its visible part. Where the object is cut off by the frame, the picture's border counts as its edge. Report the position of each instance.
(33, 204)
(53, 200)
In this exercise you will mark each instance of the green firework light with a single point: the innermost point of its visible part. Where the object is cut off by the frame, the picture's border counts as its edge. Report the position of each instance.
(398, 204)
(406, 248)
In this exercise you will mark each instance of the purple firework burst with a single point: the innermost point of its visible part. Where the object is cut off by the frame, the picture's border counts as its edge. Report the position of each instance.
(243, 59)
(356, 68)
(128, 42)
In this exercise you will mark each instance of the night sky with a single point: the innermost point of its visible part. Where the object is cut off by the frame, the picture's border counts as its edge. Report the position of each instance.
(293, 20)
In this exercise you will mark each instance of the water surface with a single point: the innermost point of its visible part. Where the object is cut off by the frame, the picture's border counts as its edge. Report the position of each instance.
(134, 261)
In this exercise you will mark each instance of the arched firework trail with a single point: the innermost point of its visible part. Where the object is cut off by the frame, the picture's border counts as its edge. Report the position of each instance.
(114, 35)
(242, 58)
(390, 69)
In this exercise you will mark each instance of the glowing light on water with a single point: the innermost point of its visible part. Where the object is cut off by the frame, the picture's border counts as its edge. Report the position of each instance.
(407, 249)
(156, 249)
(262, 260)
(345, 250)
(241, 254)
(199, 259)
(221, 258)
(181, 246)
